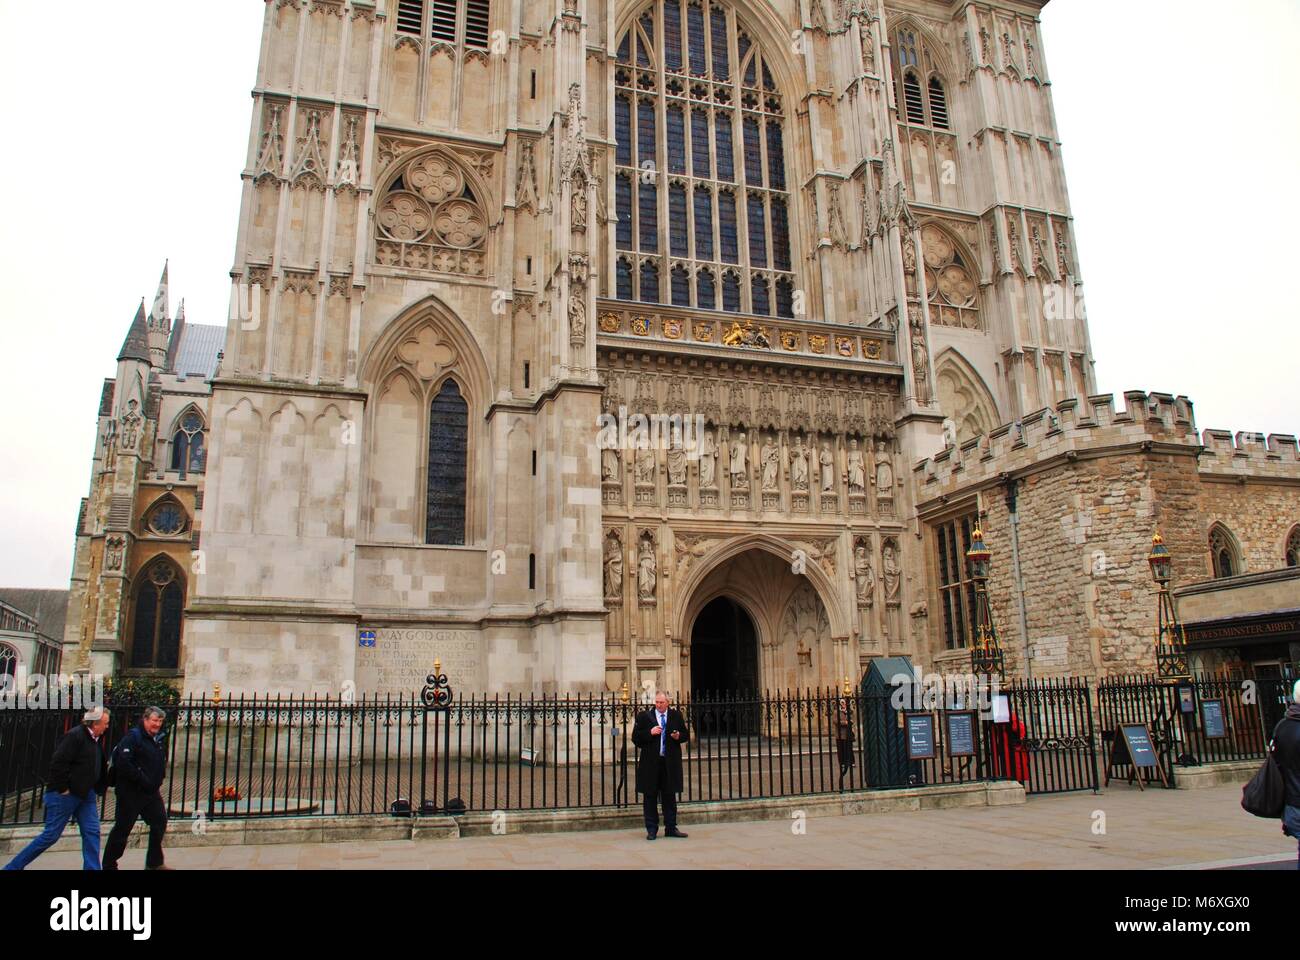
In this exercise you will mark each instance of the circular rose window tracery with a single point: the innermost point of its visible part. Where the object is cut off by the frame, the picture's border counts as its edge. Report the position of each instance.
(953, 291)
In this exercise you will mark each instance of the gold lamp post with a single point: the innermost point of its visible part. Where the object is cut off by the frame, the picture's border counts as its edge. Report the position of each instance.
(985, 654)
(1171, 642)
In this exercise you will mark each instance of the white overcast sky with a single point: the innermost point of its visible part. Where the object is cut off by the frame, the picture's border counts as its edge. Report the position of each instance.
(127, 136)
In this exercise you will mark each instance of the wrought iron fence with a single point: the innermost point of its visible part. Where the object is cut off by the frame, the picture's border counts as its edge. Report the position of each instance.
(295, 756)
(1052, 720)
(1182, 732)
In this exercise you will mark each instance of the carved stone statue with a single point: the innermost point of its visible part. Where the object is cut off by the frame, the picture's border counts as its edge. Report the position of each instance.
(827, 460)
(799, 466)
(857, 469)
(577, 315)
(884, 472)
(647, 574)
(613, 567)
(771, 459)
(130, 426)
(609, 464)
(739, 466)
(893, 573)
(708, 460)
(645, 465)
(864, 575)
(578, 206)
(676, 459)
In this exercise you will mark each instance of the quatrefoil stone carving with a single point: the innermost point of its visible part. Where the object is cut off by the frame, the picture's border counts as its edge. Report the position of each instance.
(426, 353)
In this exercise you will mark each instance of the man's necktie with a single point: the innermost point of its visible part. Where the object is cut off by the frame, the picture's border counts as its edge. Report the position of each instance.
(663, 735)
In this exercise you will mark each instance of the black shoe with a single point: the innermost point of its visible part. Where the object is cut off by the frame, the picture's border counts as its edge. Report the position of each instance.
(651, 836)
(674, 832)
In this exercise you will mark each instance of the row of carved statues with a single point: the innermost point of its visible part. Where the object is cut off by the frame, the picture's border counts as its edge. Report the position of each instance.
(806, 466)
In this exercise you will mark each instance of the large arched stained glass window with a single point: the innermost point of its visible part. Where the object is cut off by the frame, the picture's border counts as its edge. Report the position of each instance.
(448, 436)
(701, 188)
(159, 609)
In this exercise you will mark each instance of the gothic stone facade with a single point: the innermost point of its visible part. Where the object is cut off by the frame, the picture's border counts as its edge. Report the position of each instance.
(837, 231)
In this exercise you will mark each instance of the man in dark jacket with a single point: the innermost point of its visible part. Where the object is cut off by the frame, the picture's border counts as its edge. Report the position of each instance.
(659, 734)
(139, 765)
(78, 776)
(1286, 750)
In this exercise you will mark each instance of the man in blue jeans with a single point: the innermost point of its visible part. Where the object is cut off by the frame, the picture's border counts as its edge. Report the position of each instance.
(78, 776)
(1286, 750)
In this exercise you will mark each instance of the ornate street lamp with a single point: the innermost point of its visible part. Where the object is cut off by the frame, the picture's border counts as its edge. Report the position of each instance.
(1171, 642)
(985, 654)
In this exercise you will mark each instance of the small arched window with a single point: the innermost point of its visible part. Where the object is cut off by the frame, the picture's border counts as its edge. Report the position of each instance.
(188, 451)
(1293, 547)
(1223, 553)
(448, 441)
(158, 618)
(167, 518)
(922, 102)
(8, 666)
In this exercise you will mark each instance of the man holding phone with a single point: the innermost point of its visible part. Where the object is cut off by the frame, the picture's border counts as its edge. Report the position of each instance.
(659, 734)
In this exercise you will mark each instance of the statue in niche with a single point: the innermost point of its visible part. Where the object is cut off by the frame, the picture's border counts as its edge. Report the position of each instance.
(645, 465)
(609, 464)
(577, 315)
(708, 460)
(884, 472)
(827, 460)
(799, 466)
(130, 426)
(864, 574)
(676, 458)
(770, 457)
(893, 573)
(647, 572)
(857, 469)
(739, 465)
(613, 567)
(578, 206)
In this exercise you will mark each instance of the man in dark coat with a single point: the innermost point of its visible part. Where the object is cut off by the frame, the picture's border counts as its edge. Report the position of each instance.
(78, 776)
(139, 765)
(659, 734)
(1286, 750)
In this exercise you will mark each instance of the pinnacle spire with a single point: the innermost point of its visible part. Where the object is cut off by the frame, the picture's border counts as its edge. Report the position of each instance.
(136, 344)
(158, 316)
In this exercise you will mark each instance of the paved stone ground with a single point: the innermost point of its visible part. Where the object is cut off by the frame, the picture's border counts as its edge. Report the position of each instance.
(1151, 830)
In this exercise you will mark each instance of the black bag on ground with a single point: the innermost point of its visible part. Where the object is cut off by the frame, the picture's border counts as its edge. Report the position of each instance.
(1265, 795)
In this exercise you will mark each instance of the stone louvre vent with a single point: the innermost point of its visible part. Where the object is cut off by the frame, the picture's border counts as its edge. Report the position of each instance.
(119, 513)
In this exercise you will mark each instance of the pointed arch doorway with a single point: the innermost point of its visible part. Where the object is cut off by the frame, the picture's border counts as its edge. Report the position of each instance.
(724, 650)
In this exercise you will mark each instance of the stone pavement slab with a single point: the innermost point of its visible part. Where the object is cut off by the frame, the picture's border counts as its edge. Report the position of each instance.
(1151, 830)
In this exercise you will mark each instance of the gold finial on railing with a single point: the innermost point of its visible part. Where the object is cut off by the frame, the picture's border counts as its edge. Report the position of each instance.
(216, 693)
(626, 695)
(437, 666)
(847, 688)
(130, 687)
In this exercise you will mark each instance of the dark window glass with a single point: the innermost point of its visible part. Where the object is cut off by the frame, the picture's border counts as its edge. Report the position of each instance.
(696, 38)
(700, 143)
(448, 438)
(625, 48)
(726, 160)
(159, 613)
(759, 295)
(673, 35)
(784, 298)
(721, 62)
(180, 450)
(730, 292)
(681, 284)
(727, 227)
(648, 214)
(704, 290)
(768, 82)
(775, 155)
(753, 153)
(169, 626)
(780, 235)
(678, 223)
(146, 626)
(751, 68)
(623, 207)
(645, 131)
(703, 224)
(167, 519)
(757, 231)
(676, 121)
(648, 25)
(623, 129)
(649, 282)
(624, 277)
(198, 455)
